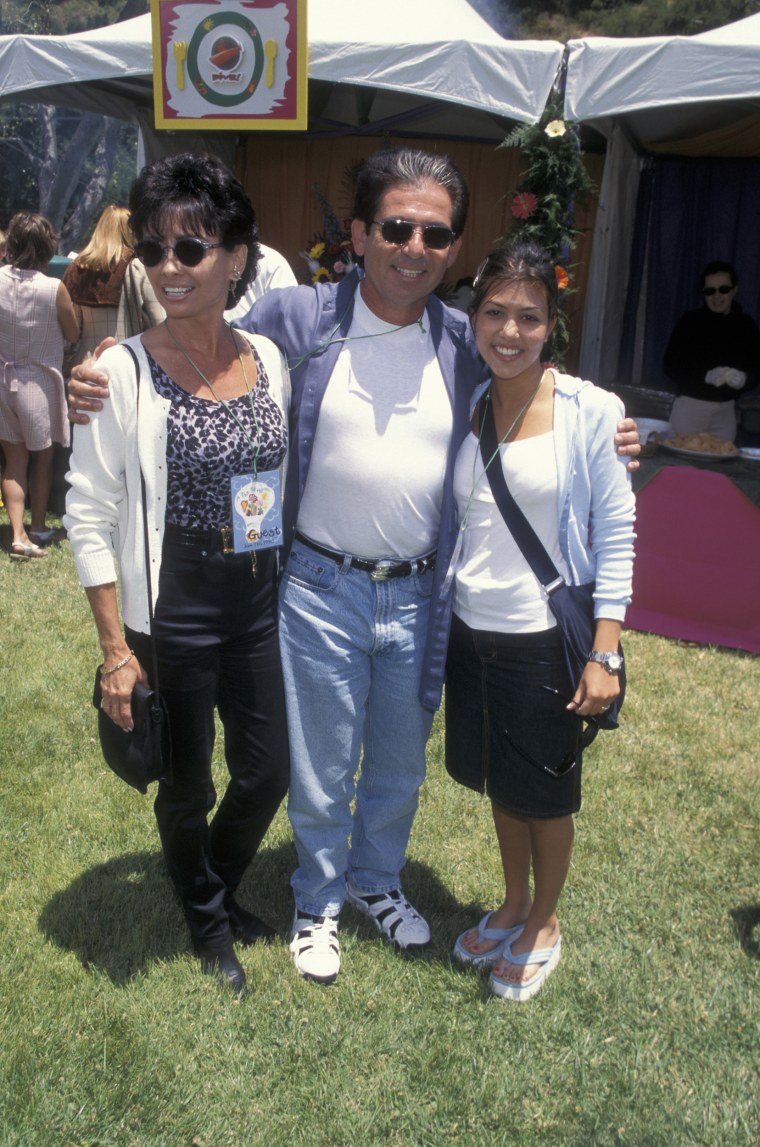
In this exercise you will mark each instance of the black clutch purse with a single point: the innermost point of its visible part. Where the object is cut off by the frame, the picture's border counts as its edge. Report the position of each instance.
(143, 754)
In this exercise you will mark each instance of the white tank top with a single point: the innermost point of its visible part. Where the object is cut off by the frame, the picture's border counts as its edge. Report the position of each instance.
(495, 587)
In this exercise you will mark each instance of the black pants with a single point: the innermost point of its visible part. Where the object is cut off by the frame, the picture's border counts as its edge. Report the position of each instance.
(216, 629)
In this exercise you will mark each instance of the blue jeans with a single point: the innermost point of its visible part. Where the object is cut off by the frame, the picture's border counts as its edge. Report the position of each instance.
(351, 656)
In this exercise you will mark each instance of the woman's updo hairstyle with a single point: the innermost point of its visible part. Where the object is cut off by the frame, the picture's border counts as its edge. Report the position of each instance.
(199, 195)
(513, 262)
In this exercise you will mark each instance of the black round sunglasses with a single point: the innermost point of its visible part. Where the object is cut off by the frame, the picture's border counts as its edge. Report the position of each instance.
(189, 251)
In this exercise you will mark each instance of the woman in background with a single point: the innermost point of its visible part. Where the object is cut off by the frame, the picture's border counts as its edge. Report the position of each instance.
(36, 315)
(714, 351)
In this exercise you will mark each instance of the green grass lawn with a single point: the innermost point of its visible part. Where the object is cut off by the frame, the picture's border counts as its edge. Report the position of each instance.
(648, 1033)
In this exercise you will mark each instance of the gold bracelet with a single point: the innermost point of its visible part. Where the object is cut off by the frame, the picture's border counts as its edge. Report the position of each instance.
(119, 665)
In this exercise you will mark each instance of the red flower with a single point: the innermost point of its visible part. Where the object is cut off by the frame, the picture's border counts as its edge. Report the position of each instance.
(524, 204)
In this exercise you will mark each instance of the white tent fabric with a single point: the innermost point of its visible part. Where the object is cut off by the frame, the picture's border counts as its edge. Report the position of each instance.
(665, 87)
(434, 48)
(439, 50)
(88, 67)
(613, 235)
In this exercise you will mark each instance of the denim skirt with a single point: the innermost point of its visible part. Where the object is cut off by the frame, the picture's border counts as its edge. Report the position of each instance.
(507, 729)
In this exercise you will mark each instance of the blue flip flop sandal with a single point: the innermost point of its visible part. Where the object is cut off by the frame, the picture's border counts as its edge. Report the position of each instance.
(499, 936)
(548, 958)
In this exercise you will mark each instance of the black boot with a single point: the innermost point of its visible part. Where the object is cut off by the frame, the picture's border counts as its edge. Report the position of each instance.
(224, 964)
(246, 927)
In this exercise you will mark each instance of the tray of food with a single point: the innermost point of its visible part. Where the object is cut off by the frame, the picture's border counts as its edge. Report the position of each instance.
(705, 446)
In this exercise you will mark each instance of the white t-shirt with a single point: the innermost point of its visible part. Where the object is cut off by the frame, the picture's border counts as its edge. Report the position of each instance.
(495, 587)
(376, 476)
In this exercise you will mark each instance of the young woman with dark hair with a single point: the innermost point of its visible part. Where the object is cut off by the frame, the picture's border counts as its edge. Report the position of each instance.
(513, 720)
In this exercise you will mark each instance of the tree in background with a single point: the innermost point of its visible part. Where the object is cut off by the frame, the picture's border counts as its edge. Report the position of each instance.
(567, 19)
(62, 163)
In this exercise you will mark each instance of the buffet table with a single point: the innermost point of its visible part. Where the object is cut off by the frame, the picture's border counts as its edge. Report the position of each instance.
(697, 569)
(744, 474)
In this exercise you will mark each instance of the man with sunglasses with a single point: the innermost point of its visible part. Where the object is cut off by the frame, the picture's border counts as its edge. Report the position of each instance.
(712, 353)
(383, 378)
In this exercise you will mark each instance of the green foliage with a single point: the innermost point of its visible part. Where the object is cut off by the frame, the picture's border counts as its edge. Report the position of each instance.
(40, 169)
(555, 181)
(18, 175)
(565, 19)
(61, 17)
(645, 1035)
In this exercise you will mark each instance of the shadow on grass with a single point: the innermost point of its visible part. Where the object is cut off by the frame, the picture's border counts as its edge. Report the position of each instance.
(746, 921)
(120, 916)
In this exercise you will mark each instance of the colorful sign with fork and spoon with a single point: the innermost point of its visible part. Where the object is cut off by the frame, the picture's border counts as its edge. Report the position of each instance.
(229, 64)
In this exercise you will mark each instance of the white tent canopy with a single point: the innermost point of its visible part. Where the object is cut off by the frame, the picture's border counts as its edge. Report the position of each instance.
(664, 89)
(394, 66)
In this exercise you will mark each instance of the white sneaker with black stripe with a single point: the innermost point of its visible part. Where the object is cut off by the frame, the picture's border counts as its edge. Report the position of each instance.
(393, 916)
(314, 947)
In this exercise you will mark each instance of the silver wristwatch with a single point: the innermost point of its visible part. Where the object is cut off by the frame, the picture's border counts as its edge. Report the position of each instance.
(612, 662)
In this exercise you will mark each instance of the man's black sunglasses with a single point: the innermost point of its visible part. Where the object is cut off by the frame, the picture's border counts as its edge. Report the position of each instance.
(723, 289)
(399, 231)
(189, 251)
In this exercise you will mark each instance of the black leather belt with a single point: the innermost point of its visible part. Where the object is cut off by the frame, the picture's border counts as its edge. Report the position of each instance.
(380, 570)
(212, 539)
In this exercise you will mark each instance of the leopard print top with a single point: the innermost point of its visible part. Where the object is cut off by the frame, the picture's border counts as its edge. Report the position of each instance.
(206, 447)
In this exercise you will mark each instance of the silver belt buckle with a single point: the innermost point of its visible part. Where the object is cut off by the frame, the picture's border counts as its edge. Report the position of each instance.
(382, 570)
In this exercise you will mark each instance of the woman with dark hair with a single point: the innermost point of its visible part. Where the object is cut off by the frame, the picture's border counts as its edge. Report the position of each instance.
(36, 315)
(513, 720)
(202, 416)
(712, 354)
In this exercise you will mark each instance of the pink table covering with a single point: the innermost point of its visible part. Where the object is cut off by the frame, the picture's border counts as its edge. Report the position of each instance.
(697, 569)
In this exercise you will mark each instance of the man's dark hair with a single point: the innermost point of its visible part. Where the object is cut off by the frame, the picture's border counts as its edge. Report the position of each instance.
(407, 166)
(715, 268)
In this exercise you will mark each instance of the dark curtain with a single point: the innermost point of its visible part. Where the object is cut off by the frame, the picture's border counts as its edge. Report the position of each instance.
(688, 213)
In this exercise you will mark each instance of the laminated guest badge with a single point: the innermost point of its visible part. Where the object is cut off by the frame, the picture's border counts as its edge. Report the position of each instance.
(256, 511)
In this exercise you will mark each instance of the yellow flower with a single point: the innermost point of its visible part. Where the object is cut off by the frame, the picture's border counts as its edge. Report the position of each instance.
(556, 128)
(317, 250)
(320, 273)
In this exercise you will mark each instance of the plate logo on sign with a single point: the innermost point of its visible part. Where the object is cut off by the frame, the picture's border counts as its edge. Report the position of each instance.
(225, 59)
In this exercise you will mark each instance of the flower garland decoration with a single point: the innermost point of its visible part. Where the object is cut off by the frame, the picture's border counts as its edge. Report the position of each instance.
(329, 254)
(543, 204)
